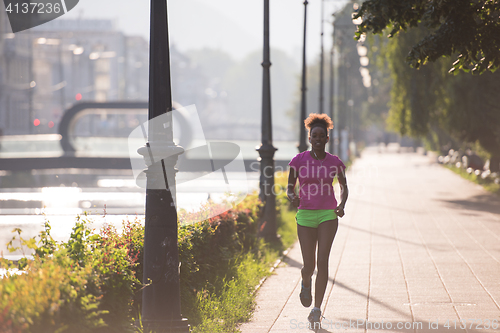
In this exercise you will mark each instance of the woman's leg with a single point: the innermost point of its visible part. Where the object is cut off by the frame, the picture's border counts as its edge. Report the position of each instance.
(326, 234)
(307, 239)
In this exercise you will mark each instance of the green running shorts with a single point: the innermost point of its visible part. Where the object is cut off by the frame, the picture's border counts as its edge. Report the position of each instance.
(313, 217)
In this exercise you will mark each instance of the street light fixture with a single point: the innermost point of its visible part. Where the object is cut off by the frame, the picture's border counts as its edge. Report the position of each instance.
(321, 65)
(161, 306)
(333, 146)
(302, 139)
(268, 228)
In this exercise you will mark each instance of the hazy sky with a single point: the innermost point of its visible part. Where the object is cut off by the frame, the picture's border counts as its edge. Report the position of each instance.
(234, 26)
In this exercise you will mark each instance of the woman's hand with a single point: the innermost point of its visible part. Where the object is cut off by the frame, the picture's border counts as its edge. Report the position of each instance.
(295, 200)
(344, 193)
(339, 211)
(290, 193)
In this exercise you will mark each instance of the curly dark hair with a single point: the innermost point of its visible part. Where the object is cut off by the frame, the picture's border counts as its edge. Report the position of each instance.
(321, 120)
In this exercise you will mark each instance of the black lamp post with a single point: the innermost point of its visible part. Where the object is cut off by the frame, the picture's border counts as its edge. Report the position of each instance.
(31, 80)
(161, 306)
(333, 138)
(266, 151)
(321, 63)
(342, 77)
(302, 140)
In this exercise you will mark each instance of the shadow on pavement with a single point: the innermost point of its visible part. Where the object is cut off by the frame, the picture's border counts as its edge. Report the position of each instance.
(390, 237)
(489, 203)
(293, 262)
(393, 207)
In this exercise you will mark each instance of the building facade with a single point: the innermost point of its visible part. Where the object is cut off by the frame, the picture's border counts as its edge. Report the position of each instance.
(46, 69)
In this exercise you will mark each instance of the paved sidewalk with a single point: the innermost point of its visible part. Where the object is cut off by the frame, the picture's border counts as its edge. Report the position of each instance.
(419, 247)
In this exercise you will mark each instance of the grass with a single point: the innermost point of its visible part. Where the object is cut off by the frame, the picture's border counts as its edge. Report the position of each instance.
(487, 183)
(221, 312)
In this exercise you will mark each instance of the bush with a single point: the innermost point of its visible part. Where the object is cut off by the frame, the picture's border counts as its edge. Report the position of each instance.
(85, 284)
(51, 297)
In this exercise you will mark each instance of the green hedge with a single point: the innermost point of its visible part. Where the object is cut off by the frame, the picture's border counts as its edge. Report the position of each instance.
(92, 282)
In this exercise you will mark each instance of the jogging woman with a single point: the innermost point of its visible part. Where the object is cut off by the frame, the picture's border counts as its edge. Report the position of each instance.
(317, 213)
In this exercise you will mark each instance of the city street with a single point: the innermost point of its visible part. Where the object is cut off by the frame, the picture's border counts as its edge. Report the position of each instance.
(417, 251)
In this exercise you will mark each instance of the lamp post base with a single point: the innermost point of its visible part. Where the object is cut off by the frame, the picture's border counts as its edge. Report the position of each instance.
(164, 326)
(267, 228)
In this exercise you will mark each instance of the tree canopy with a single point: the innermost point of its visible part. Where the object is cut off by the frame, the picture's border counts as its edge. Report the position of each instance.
(448, 111)
(466, 29)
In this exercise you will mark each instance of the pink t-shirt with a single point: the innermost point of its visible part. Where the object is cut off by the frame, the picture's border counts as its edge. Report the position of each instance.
(316, 178)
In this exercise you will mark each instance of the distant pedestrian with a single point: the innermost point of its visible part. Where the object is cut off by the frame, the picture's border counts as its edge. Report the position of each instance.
(317, 221)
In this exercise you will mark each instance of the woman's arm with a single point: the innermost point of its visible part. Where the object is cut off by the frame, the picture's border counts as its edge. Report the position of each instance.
(344, 191)
(290, 193)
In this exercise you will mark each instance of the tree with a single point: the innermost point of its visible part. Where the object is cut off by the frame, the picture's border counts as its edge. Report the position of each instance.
(428, 102)
(475, 110)
(417, 102)
(467, 29)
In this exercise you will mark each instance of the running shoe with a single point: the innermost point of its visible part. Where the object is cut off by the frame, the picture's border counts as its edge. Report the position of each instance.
(305, 295)
(315, 318)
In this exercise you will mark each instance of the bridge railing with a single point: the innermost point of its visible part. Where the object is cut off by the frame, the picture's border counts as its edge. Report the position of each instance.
(94, 129)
